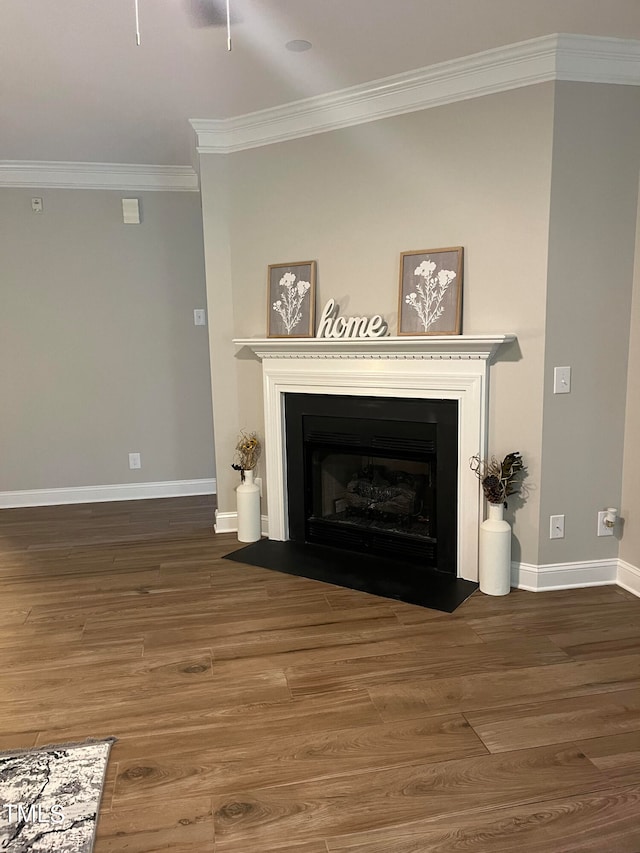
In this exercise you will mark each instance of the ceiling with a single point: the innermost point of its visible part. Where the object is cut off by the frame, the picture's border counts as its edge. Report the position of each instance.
(75, 87)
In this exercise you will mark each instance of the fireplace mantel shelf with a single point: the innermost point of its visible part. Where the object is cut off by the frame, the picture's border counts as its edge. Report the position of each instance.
(420, 346)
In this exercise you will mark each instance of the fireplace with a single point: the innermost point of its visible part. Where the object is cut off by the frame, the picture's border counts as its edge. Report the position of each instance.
(374, 475)
(425, 369)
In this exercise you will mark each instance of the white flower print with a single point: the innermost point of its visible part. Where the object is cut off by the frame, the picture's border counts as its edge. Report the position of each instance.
(427, 298)
(292, 295)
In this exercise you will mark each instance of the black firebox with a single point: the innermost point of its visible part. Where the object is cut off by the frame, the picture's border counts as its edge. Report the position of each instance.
(374, 475)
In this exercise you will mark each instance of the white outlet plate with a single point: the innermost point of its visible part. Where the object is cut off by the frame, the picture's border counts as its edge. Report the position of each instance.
(603, 530)
(134, 461)
(199, 317)
(556, 527)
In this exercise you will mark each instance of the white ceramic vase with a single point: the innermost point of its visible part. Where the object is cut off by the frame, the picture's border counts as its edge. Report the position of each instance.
(248, 506)
(495, 553)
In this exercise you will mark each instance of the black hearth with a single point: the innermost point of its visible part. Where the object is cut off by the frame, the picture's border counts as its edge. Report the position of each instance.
(374, 475)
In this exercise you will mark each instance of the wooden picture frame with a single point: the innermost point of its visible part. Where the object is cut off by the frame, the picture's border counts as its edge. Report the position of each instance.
(291, 300)
(430, 298)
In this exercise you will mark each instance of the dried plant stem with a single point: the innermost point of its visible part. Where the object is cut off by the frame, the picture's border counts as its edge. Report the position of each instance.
(498, 478)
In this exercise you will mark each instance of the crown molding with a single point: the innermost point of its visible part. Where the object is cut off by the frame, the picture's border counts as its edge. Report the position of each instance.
(578, 58)
(595, 59)
(42, 174)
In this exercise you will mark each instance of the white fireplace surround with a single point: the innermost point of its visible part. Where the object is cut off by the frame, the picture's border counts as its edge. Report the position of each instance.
(429, 367)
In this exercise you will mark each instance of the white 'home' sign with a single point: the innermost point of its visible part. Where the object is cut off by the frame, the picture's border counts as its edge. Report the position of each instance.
(331, 326)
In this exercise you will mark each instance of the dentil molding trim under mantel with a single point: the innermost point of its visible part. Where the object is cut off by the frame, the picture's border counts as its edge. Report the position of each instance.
(408, 346)
(454, 367)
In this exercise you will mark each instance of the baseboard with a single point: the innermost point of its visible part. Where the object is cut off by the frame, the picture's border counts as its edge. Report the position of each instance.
(564, 575)
(629, 577)
(227, 522)
(100, 494)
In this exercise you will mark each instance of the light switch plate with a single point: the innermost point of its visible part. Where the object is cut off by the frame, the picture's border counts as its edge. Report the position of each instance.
(131, 211)
(561, 380)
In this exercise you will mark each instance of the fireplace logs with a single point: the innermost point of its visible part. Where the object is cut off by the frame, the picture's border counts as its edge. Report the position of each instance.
(377, 490)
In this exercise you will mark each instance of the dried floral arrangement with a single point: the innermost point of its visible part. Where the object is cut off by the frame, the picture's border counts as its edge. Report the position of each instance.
(499, 479)
(248, 450)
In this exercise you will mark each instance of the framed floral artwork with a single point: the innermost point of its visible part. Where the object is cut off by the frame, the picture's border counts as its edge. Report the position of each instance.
(291, 300)
(430, 301)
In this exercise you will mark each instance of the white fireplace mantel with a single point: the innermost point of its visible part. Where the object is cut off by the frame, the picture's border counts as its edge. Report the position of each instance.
(406, 346)
(454, 367)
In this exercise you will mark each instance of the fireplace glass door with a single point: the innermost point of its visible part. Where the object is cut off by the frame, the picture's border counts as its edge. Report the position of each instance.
(357, 496)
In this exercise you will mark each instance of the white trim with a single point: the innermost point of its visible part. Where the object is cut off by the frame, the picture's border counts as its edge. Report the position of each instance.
(563, 575)
(598, 59)
(555, 57)
(227, 522)
(403, 346)
(99, 494)
(131, 177)
(629, 577)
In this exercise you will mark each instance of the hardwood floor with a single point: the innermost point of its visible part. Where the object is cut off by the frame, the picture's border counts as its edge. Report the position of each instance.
(256, 711)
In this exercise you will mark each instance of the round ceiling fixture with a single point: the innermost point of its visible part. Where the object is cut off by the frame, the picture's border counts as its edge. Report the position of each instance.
(298, 45)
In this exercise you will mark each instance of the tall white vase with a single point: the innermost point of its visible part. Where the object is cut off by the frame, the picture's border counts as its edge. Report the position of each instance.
(495, 553)
(248, 505)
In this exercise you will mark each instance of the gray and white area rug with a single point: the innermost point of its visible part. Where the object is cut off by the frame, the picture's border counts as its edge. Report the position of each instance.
(50, 796)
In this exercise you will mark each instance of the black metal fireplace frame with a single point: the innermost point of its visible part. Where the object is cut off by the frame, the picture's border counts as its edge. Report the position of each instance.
(411, 428)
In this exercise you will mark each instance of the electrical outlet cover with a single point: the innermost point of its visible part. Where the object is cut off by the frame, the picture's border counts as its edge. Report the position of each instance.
(603, 530)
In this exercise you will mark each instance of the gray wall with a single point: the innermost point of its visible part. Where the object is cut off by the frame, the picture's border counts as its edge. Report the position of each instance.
(98, 349)
(353, 200)
(594, 196)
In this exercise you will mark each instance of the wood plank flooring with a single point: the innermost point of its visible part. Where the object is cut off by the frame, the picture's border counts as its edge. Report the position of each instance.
(256, 711)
